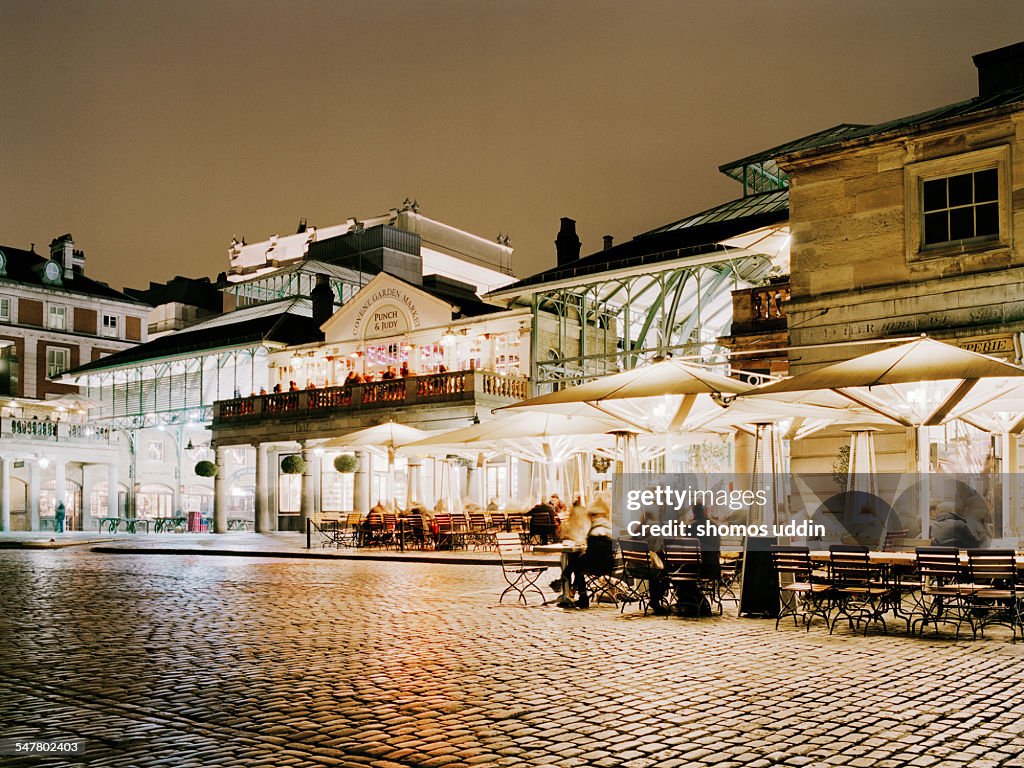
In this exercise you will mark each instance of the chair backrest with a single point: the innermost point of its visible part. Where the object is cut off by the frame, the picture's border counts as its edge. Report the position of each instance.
(354, 519)
(497, 519)
(516, 521)
(636, 557)
(939, 564)
(682, 556)
(460, 523)
(850, 564)
(390, 521)
(444, 522)
(988, 565)
(374, 520)
(894, 539)
(477, 521)
(792, 560)
(510, 548)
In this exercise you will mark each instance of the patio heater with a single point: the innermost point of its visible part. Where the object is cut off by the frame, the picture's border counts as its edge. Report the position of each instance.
(767, 472)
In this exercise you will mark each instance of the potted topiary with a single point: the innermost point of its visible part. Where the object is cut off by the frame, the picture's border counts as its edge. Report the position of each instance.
(206, 469)
(293, 465)
(346, 463)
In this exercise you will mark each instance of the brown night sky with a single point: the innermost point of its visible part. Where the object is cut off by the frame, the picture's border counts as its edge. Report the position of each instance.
(154, 131)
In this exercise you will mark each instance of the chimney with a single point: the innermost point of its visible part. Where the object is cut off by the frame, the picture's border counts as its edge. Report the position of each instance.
(62, 251)
(1000, 70)
(608, 241)
(323, 300)
(567, 243)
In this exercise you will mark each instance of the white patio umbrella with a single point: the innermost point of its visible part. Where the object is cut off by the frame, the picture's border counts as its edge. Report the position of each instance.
(660, 397)
(918, 384)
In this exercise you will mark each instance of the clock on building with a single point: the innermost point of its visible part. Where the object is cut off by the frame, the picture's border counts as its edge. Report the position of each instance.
(51, 272)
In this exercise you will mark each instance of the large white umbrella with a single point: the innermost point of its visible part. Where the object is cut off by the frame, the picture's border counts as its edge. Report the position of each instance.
(660, 397)
(918, 384)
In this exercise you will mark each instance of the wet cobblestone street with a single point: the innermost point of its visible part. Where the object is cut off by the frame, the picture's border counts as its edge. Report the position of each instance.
(214, 661)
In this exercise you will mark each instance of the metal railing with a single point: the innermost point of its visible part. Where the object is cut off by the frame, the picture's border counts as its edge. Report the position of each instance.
(456, 386)
(52, 431)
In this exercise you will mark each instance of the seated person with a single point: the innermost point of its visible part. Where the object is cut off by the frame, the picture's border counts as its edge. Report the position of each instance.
(389, 374)
(966, 530)
(598, 556)
(404, 370)
(352, 378)
(543, 523)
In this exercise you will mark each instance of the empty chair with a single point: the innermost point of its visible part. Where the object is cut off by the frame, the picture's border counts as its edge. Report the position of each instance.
(992, 597)
(800, 594)
(640, 570)
(521, 578)
(942, 588)
(683, 566)
(858, 589)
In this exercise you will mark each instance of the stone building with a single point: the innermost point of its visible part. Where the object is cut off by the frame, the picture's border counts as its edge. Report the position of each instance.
(54, 317)
(912, 226)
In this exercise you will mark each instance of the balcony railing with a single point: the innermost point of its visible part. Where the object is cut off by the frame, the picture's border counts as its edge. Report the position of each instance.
(760, 309)
(454, 387)
(52, 431)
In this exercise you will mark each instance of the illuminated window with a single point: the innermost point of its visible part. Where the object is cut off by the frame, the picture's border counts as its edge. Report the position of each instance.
(58, 360)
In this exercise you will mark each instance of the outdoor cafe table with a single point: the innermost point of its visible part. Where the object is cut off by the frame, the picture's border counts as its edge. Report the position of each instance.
(564, 549)
(898, 558)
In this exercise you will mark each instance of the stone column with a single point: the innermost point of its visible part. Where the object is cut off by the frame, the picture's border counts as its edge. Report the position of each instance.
(361, 484)
(220, 492)
(34, 481)
(263, 522)
(113, 508)
(307, 509)
(5, 493)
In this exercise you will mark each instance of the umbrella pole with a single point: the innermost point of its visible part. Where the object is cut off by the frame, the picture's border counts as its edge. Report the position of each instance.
(924, 484)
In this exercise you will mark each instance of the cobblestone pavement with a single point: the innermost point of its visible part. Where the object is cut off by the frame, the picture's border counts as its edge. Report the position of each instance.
(210, 661)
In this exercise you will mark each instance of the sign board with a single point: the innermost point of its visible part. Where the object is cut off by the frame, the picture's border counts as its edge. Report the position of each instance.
(386, 307)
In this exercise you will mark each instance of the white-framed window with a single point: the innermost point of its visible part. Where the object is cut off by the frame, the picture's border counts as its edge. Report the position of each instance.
(959, 203)
(110, 327)
(5, 309)
(155, 451)
(58, 359)
(57, 317)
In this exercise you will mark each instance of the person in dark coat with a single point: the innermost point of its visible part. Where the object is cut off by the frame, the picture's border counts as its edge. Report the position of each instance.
(542, 523)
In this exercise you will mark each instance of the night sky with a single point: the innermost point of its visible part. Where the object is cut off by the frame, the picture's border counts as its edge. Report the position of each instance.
(155, 131)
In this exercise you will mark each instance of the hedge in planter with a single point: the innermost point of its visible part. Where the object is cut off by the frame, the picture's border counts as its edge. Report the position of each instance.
(346, 462)
(293, 465)
(206, 469)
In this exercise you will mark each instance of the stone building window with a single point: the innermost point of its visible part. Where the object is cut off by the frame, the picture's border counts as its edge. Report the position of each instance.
(958, 204)
(961, 207)
(5, 309)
